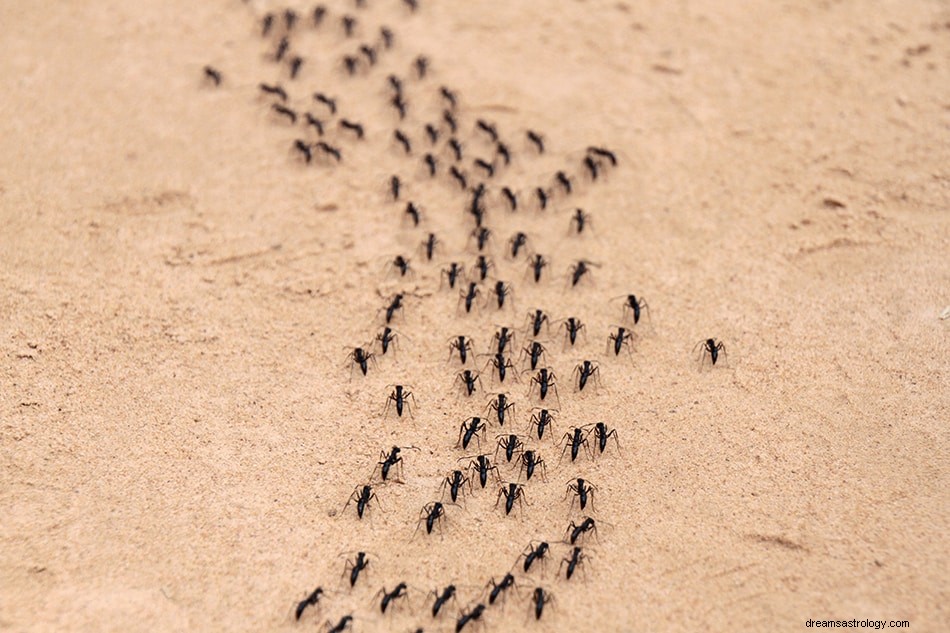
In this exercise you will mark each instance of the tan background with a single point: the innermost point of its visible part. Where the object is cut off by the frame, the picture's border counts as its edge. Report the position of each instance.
(178, 432)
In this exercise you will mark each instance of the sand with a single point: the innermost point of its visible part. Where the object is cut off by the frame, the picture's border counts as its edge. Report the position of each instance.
(180, 428)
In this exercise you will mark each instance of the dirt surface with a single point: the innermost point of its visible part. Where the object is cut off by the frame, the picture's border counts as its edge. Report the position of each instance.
(180, 428)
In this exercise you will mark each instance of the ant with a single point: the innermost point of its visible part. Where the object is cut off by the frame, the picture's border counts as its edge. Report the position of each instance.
(533, 353)
(481, 235)
(470, 616)
(463, 345)
(422, 66)
(356, 128)
(282, 47)
(538, 318)
(428, 246)
(711, 348)
(284, 111)
(361, 358)
(456, 146)
(400, 105)
(431, 164)
(540, 598)
(592, 167)
(488, 129)
(542, 197)
(572, 326)
(395, 83)
(346, 622)
(511, 444)
(304, 149)
(386, 338)
(330, 150)
(542, 420)
(309, 601)
(401, 264)
(501, 364)
(529, 461)
(469, 296)
(458, 176)
(315, 122)
(578, 269)
(266, 23)
(536, 265)
(391, 596)
(213, 74)
(510, 197)
(576, 557)
(351, 63)
(584, 492)
(455, 482)
(325, 100)
(318, 14)
(275, 90)
(441, 598)
(394, 304)
(452, 273)
(400, 396)
(517, 242)
(537, 139)
(575, 439)
(602, 434)
(512, 492)
(503, 339)
(501, 291)
(483, 465)
(411, 4)
(467, 431)
(636, 306)
(586, 370)
(387, 36)
(621, 338)
(349, 23)
(356, 566)
(500, 405)
(432, 133)
(449, 96)
(546, 380)
(579, 220)
(362, 495)
(290, 18)
(413, 212)
(487, 167)
(390, 460)
(587, 525)
(295, 64)
(451, 121)
(502, 150)
(564, 181)
(403, 140)
(532, 554)
(507, 582)
(431, 513)
(370, 53)
(603, 153)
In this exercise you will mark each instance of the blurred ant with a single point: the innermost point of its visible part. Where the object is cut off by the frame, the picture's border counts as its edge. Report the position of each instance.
(319, 13)
(266, 23)
(351, 63)
(503, 339)
(564, 181)
(431, 514)
(501, 291)
(482, 465)
(538, 319)
(488, 129)
(325, 100)
(432, 133)
(487, 167)
(422, 66)
(449, 96)
(603, 153)
(329, 150)
(399, 104)
(395, 185)
(542, 419)
(370, 53)
(584, 492)
(284, 111)
(529, 462)
(403, 140)
(387, 36)
(429, 244)
(517, 242)
(394, 304)
(545, 379)
(295, 64)
(481, 235)
(309, 601)
(575, 439)
(510, 197)
(458, 176)
(636, 306)
(512, 492)
(532, 554)
(215, 76)
(386, 337)
(533, 353)
(510, 444)
(501, 405)
(362, 495)
(456, 147)
(400, 397)
(461, 344)
(592, 167)
(401, 264)
(542, 197)
(578, 269)
(468, 430)
(586, 370)
(712, 349)
(391, 596)
(482, 266)
(455, 482)
(304, 149)
(452, 273)
(621, 338)
(356, 566)
(572, 326)
(575, 558)
(540, 598)
(431, 164)
(290, 18)
(469, 296)
(537, 139)
(469, 616)
(361, 358)
(413, 212)
(507, 582)
(346, 622)
(536, 265)
(579, 220)
(356, 128)
(313, 121)
(441, 598)
(275, 90)
(502, 150)
(349, 23)
(468, 378)
(602, 434)
(451, 121)
(576, 531)
(282, 47)
(411, 4)
(395, 83)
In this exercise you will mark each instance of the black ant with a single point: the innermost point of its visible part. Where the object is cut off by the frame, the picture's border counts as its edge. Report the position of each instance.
(511, 198)
(213, 74)
(391, 596)
(318, 14)
(431, 513)
(538, 319)
(282, 47)
(390, 460)
(540, 598)
(394, 304)
(501, 291)
(501, 365)
(592, 167)
(431, 164)
(400, 396)
(449, 96)
(533, 353)
(578, 269)
(603, 153)
(356, 128)
(481, 235)
(458, 176)
(469, 429)
(572, 327)
(532, 554)
(330, 150)
(441, 598)
(369, 53)
(411, 4)
(564, 181)
(351, 63)
(403, 140)
(586, 370)
(275, 90)
(455, 482)
(309, 601)
(413, 212)
(517, 242)
(463, 345)
(501, 405)
(542, 197)
(529, 462)
(583, 491)
(507, 582)
(602, 434)
(487, 167)
(621, 338)
(710, 348)
(469, 616)
(432, 133)
(325, 100)
(587, 525)
(575, 439)
(503, 339)
(387, 36)
(355, 567)
(429, 244)
(422, 66)
(451, 121)
(304, 149)
(502, 150)
(536, 265)
(346, 622)
(295, 64)
(290, 18)
(510, 444)
(395, 83)
(512, 492)
(575, 558)
(579, 220)
(394, 187)
(400, 105)
(284, 111)
(482, 465)
(362, 495)
(452, 273)
(542, 419)
(315, 122)
(545, 379)
(488, 129)
(266, 23)
(537, 139)
(636, 306)
(401, 264)
(360, 357)
(468, 378)
(349, 23)
(456, 148)
(386, 337)
(469, 296)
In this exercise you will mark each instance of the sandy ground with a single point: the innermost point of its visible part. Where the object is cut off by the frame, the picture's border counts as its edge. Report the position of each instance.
(179, 429)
